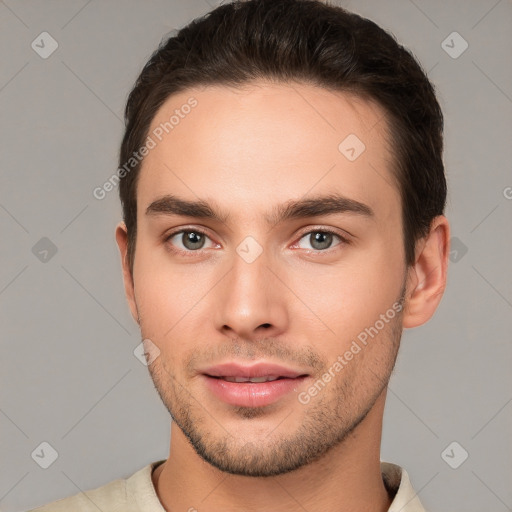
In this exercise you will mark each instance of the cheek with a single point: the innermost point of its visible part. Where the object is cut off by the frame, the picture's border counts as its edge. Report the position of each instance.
(166, 295)
(350, 296)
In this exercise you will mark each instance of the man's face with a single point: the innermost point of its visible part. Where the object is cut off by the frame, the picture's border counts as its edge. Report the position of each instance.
(290, 294)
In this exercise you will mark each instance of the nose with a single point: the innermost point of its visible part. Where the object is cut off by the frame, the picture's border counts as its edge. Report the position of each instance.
(251, 300)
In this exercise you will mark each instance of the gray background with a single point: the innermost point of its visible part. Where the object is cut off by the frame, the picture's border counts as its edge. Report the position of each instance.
(69, 375)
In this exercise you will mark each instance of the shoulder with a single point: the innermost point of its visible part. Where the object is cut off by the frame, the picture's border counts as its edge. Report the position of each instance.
(102, 498)
(121, 495)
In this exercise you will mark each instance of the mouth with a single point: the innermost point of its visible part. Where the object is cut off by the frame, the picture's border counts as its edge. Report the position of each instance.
(252, 386)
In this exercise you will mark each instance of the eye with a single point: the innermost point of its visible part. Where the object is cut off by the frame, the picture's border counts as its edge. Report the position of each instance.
(187, 240)
(321, 239)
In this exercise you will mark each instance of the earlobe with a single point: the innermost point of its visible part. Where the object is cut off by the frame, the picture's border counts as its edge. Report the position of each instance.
(427, 278)
(122, 242)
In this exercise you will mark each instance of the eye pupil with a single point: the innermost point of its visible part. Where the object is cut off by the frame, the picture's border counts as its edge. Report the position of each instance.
(193, 240)
(324, 240)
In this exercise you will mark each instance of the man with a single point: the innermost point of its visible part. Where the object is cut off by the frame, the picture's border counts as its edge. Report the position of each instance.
(283, 192)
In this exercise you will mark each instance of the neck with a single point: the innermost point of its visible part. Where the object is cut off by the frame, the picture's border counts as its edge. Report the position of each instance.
(346, 479)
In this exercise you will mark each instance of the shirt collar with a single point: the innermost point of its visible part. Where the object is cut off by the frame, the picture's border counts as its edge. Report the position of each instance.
(399, 487)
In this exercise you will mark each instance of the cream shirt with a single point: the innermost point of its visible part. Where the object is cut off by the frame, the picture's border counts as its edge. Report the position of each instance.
(137, 494)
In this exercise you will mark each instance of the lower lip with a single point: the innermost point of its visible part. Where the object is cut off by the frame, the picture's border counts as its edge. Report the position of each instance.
(251, 394)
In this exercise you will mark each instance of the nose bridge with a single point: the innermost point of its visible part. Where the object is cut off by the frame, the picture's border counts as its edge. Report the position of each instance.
(250, 297)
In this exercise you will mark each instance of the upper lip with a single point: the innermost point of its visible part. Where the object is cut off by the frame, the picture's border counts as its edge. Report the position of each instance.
(232, 369)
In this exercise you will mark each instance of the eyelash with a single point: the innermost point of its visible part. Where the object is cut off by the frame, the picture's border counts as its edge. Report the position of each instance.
(343, 240)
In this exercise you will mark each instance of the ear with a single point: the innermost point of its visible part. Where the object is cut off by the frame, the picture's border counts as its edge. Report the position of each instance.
(122, 243)
(426, 279)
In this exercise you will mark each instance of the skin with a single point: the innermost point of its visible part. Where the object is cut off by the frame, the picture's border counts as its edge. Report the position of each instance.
(246, 151)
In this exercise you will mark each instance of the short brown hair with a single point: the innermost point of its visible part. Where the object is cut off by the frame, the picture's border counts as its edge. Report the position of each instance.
(300, 41)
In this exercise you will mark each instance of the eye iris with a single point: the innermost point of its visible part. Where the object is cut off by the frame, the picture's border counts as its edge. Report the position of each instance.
(323, 239)
(193, 240)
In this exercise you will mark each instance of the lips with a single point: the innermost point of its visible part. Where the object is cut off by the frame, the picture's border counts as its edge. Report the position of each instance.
(252, 386)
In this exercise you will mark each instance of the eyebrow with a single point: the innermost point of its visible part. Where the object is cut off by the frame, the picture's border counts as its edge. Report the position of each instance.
(294, 209)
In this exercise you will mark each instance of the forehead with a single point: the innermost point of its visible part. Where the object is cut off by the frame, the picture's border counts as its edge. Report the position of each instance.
(268, 143)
